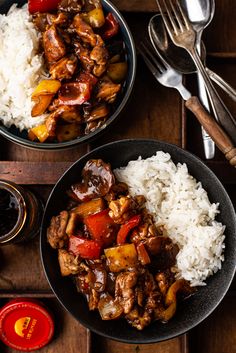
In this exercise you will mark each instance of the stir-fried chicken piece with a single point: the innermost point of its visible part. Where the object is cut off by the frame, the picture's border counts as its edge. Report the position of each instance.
(100, 274)
(144, 231)
(124, 290)
(100, 56)
(65, 112)
(57, 19)
(122, 209)
(64, 68)
(93, 299)
(70, 5)
(137, 319)
(86, 281)
(69, 263)
(98, 70)
(98, 112)
(147, 299)
(164, 280)
(117, 190)
(94, 125)
(54, 46)
(108, 90)
(83, 54)
(56, 233)
(84, 30)
(40, 21)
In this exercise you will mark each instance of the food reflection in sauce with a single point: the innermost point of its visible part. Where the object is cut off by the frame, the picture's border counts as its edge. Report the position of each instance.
(119, 259)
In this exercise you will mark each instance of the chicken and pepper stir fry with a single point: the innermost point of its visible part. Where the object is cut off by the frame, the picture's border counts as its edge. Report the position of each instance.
(86, 65)
(119, 259)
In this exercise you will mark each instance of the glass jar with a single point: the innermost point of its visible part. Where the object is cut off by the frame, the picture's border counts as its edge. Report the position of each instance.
(20, 213)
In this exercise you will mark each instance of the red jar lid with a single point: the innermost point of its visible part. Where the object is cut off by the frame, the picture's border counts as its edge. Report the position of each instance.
(25, 324)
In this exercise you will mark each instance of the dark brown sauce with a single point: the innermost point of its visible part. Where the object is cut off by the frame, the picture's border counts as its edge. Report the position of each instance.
(8, 212)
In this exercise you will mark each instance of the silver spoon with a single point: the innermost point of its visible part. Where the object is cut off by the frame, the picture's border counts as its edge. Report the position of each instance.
(177, 57)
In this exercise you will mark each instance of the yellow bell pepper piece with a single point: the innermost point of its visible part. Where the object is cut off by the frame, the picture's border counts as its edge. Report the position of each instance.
(121, 257)
(117, 71)
(41, 104)
(46, 87)
(40, 132)
(95, 18)
(68, 132)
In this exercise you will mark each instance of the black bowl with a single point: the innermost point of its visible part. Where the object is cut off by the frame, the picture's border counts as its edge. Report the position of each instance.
(193, 310)
(14, 135)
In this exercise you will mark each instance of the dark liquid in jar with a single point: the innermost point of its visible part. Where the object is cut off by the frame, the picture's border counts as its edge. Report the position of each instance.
(8, 212)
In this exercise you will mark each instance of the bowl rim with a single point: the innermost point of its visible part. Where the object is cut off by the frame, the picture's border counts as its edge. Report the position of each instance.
(58, 146)
(182, 330)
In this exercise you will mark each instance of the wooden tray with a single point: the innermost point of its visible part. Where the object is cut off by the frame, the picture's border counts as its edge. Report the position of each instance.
(153, 112)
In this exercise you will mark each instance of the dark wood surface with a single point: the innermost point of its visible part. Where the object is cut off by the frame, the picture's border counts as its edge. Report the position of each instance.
(152, 112)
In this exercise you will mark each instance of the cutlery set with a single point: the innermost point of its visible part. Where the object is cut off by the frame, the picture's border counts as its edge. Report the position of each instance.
(175, 35)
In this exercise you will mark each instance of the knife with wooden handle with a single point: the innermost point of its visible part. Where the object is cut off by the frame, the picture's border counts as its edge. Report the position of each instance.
(214, 130)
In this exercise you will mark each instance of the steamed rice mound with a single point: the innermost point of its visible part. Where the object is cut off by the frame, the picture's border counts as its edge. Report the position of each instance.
(21, 68)
(179, 202)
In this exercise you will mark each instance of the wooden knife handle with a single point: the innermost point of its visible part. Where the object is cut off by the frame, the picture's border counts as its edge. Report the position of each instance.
(214, 130)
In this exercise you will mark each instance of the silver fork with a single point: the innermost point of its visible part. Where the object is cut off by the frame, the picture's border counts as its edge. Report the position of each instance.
(169, 77)
(183, 35)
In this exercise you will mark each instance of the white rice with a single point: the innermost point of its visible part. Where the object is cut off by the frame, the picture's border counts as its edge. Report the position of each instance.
(21, 68)
(179, 202)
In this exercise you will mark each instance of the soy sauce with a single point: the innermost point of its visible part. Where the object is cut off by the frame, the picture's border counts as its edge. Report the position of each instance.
(9, 212)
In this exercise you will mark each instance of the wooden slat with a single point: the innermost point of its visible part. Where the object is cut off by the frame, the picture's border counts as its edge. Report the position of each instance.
(176, 345)
(33, 172)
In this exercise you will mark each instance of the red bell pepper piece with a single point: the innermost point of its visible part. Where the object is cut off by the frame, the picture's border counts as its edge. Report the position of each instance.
(143, 254)
(42, 5)
(87, 249)
(111, 26)
(74, 93)
(126, 227)
(87, 77)
(101, 227)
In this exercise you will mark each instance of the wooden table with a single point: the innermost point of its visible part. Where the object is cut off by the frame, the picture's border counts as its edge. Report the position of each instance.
(153, 112)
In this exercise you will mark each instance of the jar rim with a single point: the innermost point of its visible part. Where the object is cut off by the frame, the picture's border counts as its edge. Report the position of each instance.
(13, 189)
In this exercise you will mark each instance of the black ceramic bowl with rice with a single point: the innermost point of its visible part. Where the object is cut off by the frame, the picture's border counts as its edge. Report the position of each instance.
(20, 135)
(191, 311)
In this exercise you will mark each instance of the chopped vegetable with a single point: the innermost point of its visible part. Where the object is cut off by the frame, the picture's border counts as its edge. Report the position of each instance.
(109, 309)
(40, 132)
(46, 87)
(87, 249)
(180, 285)
(95, 18)
(117, 71)
(101, 227)
(43, 95)
(90, 207)
(121, 257)
(41, 103)
(42, 5)
(126, 227)
(72, 224)
(74, 93)
(143, 254)
(111, 26)
(68, 132)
